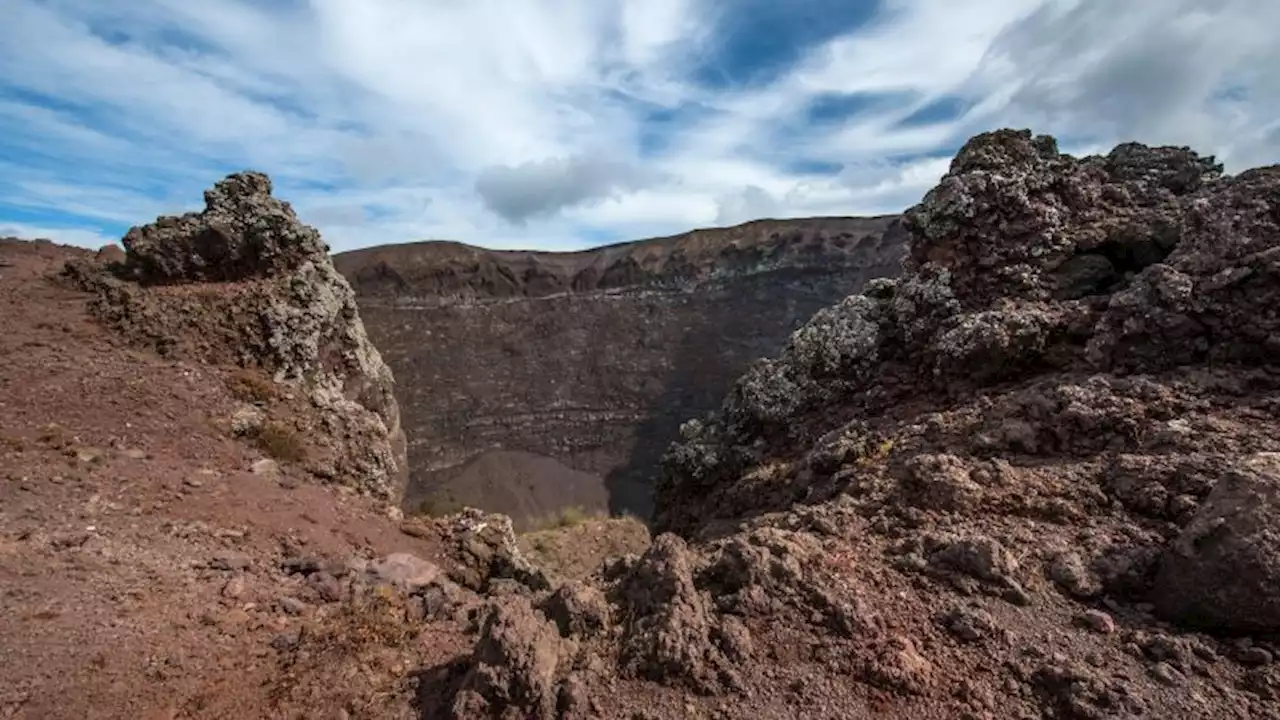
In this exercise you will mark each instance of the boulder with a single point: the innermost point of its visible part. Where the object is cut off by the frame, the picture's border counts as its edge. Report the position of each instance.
(1222, 572)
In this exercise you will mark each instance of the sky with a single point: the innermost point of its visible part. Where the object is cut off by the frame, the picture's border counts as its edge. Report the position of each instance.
(564, 124)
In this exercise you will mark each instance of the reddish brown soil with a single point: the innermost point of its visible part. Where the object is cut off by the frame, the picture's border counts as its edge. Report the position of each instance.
(140, 558)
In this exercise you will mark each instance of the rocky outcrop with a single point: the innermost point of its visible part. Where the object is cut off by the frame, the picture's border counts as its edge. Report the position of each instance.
(992, 293)
(245, 283)
(592, 358)
(1034, 476)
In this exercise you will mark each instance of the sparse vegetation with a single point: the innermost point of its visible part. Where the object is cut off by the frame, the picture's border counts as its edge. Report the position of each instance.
(877, 452)
(567, 517)
(281, 442)
(251, 386)
(574, 543)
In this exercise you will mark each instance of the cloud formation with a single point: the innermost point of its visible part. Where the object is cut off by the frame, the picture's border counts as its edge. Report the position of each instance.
(544, 187)
(564, 123)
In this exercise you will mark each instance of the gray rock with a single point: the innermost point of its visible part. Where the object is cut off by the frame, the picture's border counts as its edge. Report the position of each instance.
(980, 557)
(1223, 570)
(969, 624)
(405, 571)
(287, 640)
(1097, 621)
(326, 586)
(1070, 571)
(293, 606)
(1255, 655)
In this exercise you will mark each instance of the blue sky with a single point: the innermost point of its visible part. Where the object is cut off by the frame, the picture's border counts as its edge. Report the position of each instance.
(560, 124)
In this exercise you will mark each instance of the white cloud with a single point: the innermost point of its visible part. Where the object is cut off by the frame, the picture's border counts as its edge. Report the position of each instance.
(554, 123)
(544, 187)
(64, 235)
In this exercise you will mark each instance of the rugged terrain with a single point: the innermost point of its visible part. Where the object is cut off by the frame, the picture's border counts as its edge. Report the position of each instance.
(145, 548)
(577, 365)
(1035, 476)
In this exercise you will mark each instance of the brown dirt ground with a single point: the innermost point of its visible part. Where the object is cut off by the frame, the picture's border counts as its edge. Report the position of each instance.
(139, 555)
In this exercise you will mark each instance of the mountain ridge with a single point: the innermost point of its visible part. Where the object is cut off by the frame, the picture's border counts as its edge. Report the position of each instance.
(449, 268)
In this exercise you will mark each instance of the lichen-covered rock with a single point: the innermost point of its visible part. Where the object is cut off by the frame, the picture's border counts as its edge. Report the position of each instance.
(1043, 412)
(242, 233)
(1022, 261)
(244, 282)
(994, 343)
(1223, 570)
(487, 552)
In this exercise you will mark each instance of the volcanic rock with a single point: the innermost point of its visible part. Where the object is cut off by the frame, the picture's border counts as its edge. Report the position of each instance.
(245, 282)
(1223, 570)
(1068, 398)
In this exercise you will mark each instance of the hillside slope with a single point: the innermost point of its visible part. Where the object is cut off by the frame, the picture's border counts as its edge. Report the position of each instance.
(154, 550)
(592, 358)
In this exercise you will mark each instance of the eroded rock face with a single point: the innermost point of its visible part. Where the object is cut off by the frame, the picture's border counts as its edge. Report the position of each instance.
(592, 358)
(488, 553)
(1067, 402)
(1022, 262)
(244, 282)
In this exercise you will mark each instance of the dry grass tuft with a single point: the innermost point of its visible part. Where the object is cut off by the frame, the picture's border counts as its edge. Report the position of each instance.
(567, 517)
(252, 386)
(281, 442)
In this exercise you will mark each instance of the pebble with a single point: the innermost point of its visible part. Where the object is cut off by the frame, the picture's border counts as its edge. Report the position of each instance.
(265, 466)
(1165, 673)
(287, 640)
(234, 588)
(230, 561)
(302, 565)
(326, 586)
(293, 606)
(1097, 621)
(969, 624)
(414, 529)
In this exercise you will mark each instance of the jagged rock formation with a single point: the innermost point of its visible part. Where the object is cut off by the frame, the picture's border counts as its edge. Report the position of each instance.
(1033, 477)
(593, 358)
(244, 282)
